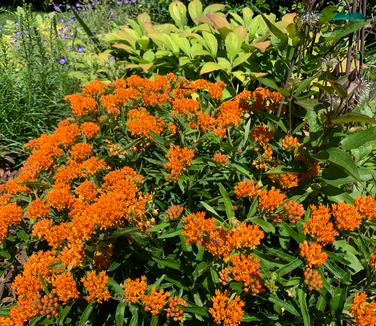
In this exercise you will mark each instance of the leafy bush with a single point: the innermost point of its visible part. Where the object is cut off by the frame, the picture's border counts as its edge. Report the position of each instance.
(159, 202)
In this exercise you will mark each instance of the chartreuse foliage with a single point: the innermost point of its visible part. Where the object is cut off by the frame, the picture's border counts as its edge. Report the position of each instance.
(158, 202)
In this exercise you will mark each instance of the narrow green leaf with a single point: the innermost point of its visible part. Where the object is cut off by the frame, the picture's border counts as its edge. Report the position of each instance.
(289, 307)
(303, 307)
(119, 314)
(296, 263)
(167, 263)
(228, 205)
(359, 138)
(86, 314)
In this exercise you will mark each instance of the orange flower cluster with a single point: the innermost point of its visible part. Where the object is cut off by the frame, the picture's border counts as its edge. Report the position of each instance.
(204, 232)
(96, 286)
(346, 217)
(226, 311)
(178, 159)
(262, 134)
(134, 290)
(173, 311)
(155, 301)
(294, 210)
(220, 158)
(313, 254)
(81, 151)
(265, 99)
(111, 104)
(288, 180)
(366, 206)
(185, 106)
(174, 212)
(312, 279)
(270, 200)
(372, 261)
(290, 143)
(140, 123)
(82, 105)
(364, 313)
(246, 189)
(246, 269)
(89, 129)
(319, 225)
(10, 214)
(94, 88)
(40, 271)
(37, 209)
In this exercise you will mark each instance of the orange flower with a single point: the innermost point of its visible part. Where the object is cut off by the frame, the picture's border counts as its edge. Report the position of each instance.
(59, 197)
(87, 190)
(94, 88)
(265, 99)
(230, 313)
(288, 180)
(246, 189)
(172, 128)
(96, 286)
(110, 104)
(185, 106)
(319, 225)
(65, 287)
(262, 134)
(134, 290)
(270, 199)
(10, 214)
(37, 209)
(346, 216)
(173, 311)
(224, 276)
(246, 269)
(80, 151)
(313, 254)
(140, 123)
(220, 158)
(174, 212)
(196, 226)
(245, 236)
(366, 205)
(372, 261)
(216, 90)
(290, 143)
(155, 301)
(89, 129)
(229, 114)
(81, 105)
(13, 187)
(364, 313)
(294, 211)
(178, 159)
(312, 279)
(313, 171)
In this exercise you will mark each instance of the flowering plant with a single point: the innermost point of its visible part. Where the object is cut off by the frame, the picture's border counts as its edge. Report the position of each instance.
(158, 202)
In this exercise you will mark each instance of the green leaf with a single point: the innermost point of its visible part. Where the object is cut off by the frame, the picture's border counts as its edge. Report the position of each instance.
(199, 311)
(341, 159)
(210, 209)
(354, 117)
(134, 311)
(86, 314)
(289, 307)
(287, 268)
(265, 225)
(173, 233)
(209, 67)
(115, 286)
(87, 30)
(154, 321)
(279, 34)
(303, 307)
(211, 43)
(167, 263)
(228, 205)
(119, 314)
(178, 12)
(195, 9)
(344, 31)
(200, 269)
(358, 139)
(233, 44)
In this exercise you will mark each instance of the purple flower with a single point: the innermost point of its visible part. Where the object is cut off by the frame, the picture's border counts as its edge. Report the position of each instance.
(80, 49)
(111, 59)
(89, 5)
(62, 60)
(57, 7)
(18, 34)
(72, 20)
(118, 2)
